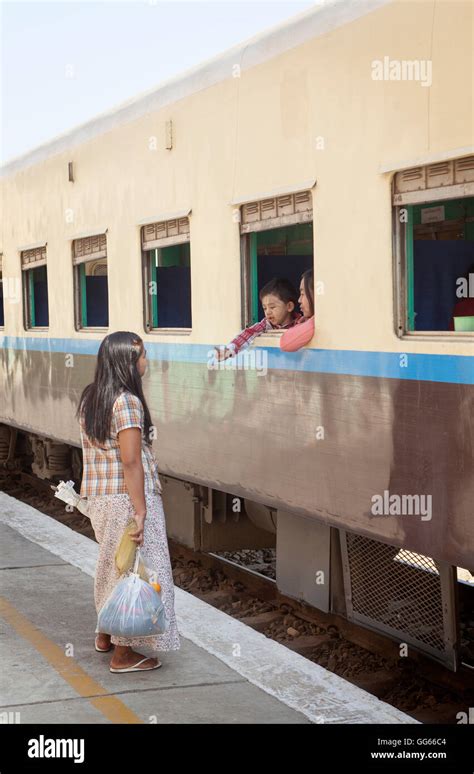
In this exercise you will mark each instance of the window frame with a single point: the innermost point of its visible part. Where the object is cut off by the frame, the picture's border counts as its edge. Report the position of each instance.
(2, 299)
(29, 264)
(403, 267)
(248, 246)
(440, 181)
(147, 270)
(79, 285)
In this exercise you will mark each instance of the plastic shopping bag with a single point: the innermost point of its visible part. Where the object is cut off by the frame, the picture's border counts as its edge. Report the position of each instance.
(133, 609)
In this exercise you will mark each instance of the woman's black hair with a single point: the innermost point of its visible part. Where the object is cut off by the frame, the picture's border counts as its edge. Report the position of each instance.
(308, 282)
(115, 372)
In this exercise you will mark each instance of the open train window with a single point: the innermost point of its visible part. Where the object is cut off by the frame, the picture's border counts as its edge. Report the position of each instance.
(276, 241)
(167, 275)
(2, 310)
(91, 292)
(434, 225)
(35, 288)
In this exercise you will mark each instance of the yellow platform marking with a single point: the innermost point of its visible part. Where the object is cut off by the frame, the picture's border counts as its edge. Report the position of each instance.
(70, 671)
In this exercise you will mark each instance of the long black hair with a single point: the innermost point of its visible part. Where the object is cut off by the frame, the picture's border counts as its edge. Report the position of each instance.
(115, 372)
(308, 282)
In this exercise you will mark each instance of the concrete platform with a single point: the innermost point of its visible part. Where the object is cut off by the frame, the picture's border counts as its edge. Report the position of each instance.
(224, 672)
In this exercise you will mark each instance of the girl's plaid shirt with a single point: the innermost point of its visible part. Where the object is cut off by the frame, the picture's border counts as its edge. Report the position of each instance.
(102, 465)
(245, 337)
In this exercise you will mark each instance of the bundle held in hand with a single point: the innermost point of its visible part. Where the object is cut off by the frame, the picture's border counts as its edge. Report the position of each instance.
(133, 609)
(66, 492)
(125, 554)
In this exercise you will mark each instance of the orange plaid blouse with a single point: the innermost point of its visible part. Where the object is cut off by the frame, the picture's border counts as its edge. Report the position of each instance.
(102, 465)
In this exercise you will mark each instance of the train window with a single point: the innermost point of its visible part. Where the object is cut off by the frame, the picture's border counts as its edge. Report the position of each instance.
(167, 275)
(35, 288)
(277, 241)
(2, 311)
(434, 226)
(91, 292)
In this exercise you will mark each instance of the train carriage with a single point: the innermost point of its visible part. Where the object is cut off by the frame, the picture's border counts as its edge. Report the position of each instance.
(341, 139)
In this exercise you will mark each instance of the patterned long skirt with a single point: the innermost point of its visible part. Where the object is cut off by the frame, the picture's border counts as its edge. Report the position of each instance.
(109, 515)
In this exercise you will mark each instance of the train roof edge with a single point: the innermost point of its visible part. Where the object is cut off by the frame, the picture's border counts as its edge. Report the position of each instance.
(262, 47)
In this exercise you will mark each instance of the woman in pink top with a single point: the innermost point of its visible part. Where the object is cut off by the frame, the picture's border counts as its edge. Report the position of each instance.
(303, 330)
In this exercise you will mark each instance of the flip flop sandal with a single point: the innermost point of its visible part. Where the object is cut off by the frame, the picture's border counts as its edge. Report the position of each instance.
(136, 667)
(102, 650)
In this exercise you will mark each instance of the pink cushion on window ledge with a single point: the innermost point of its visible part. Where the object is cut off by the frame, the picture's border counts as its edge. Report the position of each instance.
(298, 336)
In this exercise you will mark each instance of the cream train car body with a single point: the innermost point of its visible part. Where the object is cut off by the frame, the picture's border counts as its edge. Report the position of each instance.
(303, 126)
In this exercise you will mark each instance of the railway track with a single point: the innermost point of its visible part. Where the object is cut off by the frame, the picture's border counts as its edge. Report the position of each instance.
(415, 685)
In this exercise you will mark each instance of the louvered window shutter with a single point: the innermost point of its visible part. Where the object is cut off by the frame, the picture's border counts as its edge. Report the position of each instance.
(276, 212)
(31, 259)
(165, 233)
(89, 248)
(444, 180)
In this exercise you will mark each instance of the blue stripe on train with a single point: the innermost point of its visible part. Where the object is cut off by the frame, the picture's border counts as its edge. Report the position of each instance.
(454, 369)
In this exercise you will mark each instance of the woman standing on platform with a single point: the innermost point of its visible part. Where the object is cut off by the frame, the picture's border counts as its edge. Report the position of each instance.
(120, 480)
